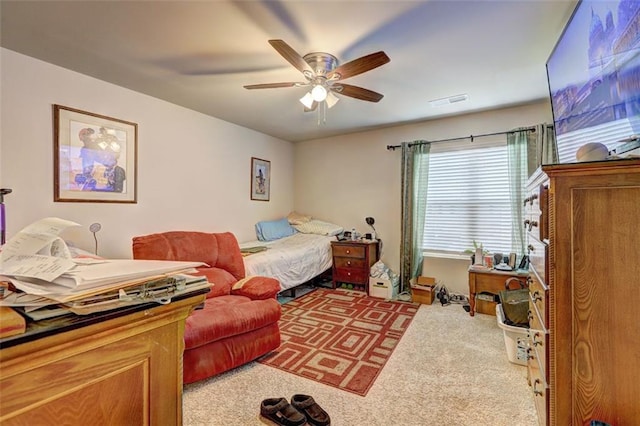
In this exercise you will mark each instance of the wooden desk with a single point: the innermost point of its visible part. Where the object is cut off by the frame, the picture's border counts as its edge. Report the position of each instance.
(120, 367)
(490, 281)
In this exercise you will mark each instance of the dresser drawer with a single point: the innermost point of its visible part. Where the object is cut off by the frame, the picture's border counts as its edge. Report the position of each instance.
(539, 294)
(349, 251)
(539, 258)
(538, 338)
(350, 262)
(539, 389)
(349, 275)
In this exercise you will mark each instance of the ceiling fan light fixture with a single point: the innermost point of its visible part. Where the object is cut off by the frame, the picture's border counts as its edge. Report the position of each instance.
(319, 93)
(307, 100)
(331, 99)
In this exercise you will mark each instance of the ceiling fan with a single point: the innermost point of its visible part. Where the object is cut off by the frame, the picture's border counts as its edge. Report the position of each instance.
(324, 76)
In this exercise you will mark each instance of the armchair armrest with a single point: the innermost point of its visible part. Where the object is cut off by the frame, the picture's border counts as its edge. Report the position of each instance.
(257, 287)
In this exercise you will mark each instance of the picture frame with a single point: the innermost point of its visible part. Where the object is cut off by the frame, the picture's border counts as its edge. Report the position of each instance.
(95, 157)
(260, 179)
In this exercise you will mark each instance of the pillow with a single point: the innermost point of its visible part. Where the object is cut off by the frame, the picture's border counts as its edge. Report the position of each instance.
(295, 218)
(273, 230)
(319, 227)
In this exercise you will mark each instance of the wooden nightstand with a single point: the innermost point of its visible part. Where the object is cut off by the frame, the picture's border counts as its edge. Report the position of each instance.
(352, 261)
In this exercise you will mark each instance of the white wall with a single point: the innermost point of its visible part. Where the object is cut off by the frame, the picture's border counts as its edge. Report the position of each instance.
(193, 170)
(345, 179)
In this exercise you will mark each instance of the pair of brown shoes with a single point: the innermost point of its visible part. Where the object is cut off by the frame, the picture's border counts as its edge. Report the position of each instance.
(302, 409)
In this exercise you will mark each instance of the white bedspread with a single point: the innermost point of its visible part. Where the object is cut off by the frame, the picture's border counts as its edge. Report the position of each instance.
(292, 260)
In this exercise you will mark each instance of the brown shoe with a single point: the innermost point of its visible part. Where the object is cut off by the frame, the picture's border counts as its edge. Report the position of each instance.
(280, 412)
(314, 413)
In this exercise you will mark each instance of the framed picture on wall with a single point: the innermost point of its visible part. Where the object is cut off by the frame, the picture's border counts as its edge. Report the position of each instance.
(95, 157)
(260, 179)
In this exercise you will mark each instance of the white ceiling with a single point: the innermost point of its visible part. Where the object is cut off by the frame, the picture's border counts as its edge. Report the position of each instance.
(200, 54)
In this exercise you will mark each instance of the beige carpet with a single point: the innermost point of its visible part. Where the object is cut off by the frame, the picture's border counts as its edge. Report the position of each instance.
(448, 369)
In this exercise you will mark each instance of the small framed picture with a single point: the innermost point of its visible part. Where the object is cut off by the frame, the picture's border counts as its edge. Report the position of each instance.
(94, 157)
(260, 179)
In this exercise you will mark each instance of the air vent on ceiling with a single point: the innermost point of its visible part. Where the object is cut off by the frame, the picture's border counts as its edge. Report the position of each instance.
(449, 100)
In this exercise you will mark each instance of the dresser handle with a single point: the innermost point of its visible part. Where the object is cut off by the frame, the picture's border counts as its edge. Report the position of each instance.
(535, 389)
(533, 198)
(530, 247)
(529, 281)
(536, 296)
(536, 342)
(526, 222)
(526, 200)
(533, 224)
(530, 315)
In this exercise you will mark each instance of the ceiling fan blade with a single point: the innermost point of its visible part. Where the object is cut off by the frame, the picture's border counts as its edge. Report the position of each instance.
(314, 106)
(358, 92)
(360, 65)
(270, 85)
(291, 55)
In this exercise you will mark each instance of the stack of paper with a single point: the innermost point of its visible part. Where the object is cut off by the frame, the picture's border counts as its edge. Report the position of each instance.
(38, 263)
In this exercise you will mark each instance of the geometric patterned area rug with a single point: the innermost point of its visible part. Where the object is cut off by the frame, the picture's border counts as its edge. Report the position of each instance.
(341, 338)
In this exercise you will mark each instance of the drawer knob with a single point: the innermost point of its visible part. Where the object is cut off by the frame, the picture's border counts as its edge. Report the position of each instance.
(349, 262)
(348, 251)
(530, 354)
(533, 198)
(530, 247)
(349, 273)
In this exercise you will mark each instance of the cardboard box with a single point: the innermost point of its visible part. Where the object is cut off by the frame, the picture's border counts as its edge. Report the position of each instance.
(382, 288)
(424, 291)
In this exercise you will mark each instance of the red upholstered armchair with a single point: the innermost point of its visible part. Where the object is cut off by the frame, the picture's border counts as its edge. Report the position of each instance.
(239, 321)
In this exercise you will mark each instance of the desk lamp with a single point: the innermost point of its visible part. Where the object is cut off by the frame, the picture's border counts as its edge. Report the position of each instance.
(370, 221)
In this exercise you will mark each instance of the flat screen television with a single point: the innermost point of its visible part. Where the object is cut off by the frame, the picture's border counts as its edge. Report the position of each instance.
(594, 77)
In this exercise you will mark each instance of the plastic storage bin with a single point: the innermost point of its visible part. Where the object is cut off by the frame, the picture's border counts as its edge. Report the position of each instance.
(516, 339)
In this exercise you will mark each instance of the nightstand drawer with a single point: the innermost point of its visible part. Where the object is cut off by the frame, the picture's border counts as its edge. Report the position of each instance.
(347, 275)
(349, 251)
(350, 262)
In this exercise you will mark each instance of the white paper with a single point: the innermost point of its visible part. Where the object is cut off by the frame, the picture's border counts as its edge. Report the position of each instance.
(46, 268)
(37, 251)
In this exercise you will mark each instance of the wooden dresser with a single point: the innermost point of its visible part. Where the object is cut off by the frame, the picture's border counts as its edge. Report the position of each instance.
(352, 261)
(584, 337)
(118, 367)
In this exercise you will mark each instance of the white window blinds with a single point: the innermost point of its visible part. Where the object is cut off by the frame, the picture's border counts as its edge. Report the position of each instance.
(468, 197)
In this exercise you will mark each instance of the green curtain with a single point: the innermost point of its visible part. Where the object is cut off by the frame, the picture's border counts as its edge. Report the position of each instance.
(517, 144)
(415, 172)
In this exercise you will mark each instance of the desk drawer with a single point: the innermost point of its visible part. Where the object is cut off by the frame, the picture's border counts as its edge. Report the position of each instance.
(350, 262)
(349, 251)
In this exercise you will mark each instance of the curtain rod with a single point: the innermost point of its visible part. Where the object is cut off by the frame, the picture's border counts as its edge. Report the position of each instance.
(530, 129)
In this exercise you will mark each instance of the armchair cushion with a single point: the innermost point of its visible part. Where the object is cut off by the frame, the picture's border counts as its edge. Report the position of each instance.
(257, 288)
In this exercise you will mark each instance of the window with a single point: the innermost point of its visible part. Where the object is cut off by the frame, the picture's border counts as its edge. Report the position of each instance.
(468, 197)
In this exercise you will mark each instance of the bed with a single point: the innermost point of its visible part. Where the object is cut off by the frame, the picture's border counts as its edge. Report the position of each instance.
(293, 260)
(293, 250)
